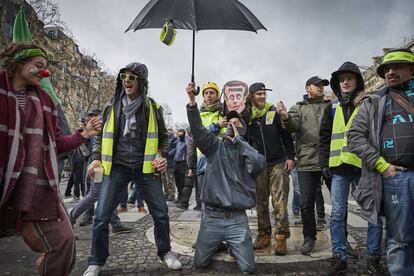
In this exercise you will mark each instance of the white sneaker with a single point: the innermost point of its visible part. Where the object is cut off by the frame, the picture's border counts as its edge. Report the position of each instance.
(171, 261)
(93, 270)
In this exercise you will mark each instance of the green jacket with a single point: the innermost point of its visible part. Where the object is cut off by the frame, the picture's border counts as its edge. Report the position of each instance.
(305, 120)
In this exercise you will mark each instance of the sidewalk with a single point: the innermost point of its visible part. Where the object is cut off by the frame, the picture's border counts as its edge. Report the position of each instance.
(135, 253)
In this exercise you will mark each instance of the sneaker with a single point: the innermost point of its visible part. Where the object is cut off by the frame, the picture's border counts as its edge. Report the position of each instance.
(321, 224)
(262, 241)
(142, 210)
(351, 251)
(171, 261)
(338, 266)
(280, 246)
(121, 229)
(197, 208)
(86, 220)
(308, 245)
(75, 199)
(122, 209)
(68, 195)
(374, 266)
(93, 270)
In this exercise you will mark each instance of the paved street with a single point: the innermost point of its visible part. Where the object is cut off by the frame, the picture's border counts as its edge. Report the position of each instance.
(135, 253)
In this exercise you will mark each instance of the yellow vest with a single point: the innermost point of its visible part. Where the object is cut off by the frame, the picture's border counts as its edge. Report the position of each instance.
(339, 153)
(208, 118)
(151, 144)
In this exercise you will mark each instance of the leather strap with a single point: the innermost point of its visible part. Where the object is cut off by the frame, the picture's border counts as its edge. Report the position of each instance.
(402, 102)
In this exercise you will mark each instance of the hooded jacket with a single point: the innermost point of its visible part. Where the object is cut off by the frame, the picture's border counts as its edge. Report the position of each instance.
(305, 120)
(142, 114)
(348, 107)
(232, 167)
(364, 140)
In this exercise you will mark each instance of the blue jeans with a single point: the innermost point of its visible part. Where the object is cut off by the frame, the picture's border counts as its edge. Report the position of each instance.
(88, 203)
(234, 230)
(339, 198)
(136, 197)
(109, 197)
(296, 192)
(399, 206)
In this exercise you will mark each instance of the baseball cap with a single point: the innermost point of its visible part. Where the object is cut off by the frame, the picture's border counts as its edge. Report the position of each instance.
(315, 80)
(258, 86)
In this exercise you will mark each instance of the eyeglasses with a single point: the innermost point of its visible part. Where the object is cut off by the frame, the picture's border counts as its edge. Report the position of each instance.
(131, 77)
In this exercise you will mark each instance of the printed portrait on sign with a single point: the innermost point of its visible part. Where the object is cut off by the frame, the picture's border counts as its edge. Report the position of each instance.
(235, 95)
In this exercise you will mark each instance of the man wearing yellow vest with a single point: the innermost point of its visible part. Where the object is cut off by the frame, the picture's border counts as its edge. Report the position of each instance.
(382, 134)
(134, 131)
(344, 166)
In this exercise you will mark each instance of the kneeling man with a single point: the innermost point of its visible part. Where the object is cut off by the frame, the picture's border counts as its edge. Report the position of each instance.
(228, 189)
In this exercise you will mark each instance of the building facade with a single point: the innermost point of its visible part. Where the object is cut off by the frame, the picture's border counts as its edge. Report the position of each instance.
(78, 79)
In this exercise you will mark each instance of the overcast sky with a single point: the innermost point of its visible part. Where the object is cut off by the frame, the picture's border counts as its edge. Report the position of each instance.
(304, 38)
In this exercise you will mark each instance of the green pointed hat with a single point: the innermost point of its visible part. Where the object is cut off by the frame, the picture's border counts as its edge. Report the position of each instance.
(22, 34)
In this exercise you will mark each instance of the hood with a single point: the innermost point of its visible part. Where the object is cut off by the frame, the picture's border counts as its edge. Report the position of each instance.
(347, 67)
(140, 70)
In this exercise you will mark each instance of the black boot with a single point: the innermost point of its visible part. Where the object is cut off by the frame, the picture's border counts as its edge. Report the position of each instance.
(308, 245)
(374, 266)
(338, 266)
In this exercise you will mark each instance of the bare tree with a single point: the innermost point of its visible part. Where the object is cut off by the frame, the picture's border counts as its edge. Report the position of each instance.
(48, 13)
(167, 112)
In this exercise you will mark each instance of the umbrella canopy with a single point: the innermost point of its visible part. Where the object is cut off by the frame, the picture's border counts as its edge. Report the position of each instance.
(196, 15)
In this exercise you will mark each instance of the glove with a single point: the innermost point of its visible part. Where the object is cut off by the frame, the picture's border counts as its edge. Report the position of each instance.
(326, 173)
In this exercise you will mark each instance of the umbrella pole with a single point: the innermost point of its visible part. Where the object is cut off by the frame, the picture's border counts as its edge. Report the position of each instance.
(192, 62)
(192, 65)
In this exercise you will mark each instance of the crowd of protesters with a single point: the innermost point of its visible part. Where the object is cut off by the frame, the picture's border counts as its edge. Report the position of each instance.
(237, 154)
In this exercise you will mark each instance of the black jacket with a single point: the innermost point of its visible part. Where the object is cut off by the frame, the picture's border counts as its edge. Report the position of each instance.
(271, 140)
(348, 107)
(232, 167)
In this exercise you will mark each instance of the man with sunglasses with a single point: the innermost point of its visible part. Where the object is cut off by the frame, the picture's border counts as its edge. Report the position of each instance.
(134, 131)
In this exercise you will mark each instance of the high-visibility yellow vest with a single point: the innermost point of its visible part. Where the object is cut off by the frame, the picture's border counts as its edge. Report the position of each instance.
(151, 144)
(339, 152)
(208, 118)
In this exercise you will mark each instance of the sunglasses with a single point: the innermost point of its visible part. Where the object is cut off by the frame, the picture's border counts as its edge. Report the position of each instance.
(131, 77)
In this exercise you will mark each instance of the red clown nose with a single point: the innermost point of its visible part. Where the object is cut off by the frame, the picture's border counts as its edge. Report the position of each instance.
(44, 73)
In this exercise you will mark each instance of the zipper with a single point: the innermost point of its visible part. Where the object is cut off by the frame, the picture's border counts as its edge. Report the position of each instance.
(262, 136)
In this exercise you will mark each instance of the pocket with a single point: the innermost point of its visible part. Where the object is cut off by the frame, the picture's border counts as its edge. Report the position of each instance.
(308, 155)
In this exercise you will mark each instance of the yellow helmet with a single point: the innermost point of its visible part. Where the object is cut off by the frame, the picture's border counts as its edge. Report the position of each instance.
(209, 85)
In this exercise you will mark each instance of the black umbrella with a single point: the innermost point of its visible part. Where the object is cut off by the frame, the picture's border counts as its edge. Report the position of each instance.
(197, 15)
